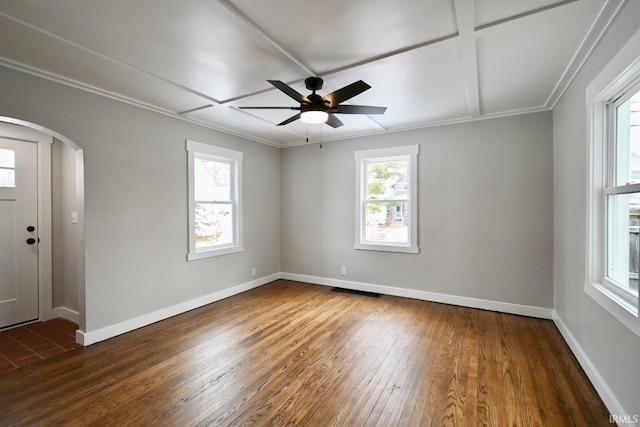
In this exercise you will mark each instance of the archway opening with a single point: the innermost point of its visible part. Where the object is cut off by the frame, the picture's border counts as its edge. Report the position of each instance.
(71, 157)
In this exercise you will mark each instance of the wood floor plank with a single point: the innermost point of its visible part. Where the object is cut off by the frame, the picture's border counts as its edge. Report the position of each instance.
(417, 408)
(290, 353)
(367, 374)
(360, 364)
(326, 381)
(488, 393)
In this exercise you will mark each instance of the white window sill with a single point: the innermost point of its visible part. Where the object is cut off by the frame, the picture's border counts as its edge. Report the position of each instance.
(192, 256)
(387, 248)
(618, 307)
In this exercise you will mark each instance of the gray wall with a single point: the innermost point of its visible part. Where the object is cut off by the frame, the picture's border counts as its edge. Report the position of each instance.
(611, 347)
(485, 207)
(64, 234)
(492, 194)
(136, 200)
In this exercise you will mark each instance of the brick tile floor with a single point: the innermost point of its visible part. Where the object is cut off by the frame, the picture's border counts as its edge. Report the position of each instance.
(31, 343)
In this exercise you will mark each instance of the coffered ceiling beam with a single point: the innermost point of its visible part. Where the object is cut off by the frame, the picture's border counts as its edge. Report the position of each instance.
(523, 15)
(465, 19)
(253, 26)
(84, 48)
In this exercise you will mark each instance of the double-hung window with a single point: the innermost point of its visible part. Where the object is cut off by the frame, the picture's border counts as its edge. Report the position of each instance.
(215, 195)
(622, 193)
(386, 202)
(613, 239)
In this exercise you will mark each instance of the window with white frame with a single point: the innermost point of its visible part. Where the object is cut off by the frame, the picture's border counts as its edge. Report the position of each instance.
(386, 202)
(622, 206)
(215, 196)
(613, 241)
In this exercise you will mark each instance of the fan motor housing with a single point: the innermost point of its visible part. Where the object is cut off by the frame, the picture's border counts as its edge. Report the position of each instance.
(313, 83)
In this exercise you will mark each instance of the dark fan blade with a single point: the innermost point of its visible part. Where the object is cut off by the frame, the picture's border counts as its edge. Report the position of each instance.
(290, 119)
(345, 93)
(333, 121)
(290, 91)
(269, 108)
(358, 109)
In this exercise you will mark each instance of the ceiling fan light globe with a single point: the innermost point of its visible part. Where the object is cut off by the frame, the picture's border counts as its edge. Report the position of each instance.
(313, 117)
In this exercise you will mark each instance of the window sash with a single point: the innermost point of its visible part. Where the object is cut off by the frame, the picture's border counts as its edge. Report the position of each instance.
(618, 262)
(365, 158)
(231, 240)
(622, 189)
(616, 230)
(232, 244)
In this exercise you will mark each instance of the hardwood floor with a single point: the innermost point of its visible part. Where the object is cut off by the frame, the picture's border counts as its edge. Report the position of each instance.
(290, 353)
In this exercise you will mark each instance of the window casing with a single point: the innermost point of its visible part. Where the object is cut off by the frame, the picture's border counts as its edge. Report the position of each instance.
(215, 196)
(386, 202)
(613, 246)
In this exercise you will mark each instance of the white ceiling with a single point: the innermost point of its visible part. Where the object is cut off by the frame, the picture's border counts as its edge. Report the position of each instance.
(429, 62)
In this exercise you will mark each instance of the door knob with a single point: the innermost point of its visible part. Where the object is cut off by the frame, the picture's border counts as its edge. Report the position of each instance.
(31, 228)
(31, 241)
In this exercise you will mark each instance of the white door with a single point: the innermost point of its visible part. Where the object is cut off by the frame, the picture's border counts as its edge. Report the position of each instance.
(18, 231)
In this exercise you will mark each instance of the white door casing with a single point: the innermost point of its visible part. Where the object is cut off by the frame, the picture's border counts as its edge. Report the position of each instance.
(19, 230)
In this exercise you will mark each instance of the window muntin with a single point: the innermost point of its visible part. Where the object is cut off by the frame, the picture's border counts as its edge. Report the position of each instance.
(387, 196)
(215, 189)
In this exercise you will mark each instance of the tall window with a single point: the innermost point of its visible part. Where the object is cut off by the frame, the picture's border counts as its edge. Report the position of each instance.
(623, 195)
(386, 209)
(613, 246)
(215, 189)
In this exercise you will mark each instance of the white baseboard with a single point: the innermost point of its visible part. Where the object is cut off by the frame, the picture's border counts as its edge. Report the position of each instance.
(503, 307)
(66, 313)
(598, 382)
(92, 337)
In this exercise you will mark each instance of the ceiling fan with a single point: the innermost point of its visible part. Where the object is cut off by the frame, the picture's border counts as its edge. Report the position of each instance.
(321, 109)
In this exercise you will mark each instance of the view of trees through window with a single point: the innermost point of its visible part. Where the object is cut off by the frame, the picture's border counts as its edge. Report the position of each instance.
(387, 203)
(214, 208)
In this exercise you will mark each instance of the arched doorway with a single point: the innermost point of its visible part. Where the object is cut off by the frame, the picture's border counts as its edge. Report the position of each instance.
(46, 306)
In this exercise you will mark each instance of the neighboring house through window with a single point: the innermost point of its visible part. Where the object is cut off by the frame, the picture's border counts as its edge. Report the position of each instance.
(386, 202)
(215, 196)
(613, 255)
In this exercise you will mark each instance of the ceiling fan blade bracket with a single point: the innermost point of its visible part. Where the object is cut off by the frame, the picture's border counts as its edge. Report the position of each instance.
(288, 90)
(358, 109)
(346, 93)
(289, 120)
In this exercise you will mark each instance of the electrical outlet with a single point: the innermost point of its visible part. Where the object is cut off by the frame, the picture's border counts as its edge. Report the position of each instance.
(253, 271)
(343, 271)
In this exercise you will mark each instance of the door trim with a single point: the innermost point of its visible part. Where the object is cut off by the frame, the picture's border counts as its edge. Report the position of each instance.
(45, 273)
(44, 226)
